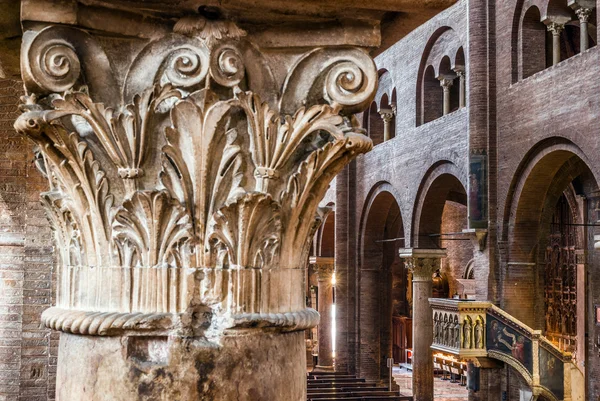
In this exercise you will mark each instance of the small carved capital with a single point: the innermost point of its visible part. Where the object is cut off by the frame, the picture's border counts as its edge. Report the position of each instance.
(422, 263)
(555, 28)
(479, 236)
(583, 14)
(325, 267)
(387, 115)
(446, 82)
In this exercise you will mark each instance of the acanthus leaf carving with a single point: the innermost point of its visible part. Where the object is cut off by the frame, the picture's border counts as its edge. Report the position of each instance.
(124, 134)
(245, 232)
(74, 170)
(156, 226)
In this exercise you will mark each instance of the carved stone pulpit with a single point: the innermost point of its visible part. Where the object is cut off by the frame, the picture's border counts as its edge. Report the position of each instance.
(186, 155)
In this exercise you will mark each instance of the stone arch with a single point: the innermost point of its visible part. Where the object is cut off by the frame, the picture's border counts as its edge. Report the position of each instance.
(469, 273)
(443, 181)
(555, 169)
(529, 42)
(372, 120)
(432, 103)
(444, 42)
(535, 176)
(382, 276)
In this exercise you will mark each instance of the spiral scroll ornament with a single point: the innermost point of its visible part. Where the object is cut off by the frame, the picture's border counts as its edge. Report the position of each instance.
(187, 67)
(349, 84)
(227, 66)
(55, 65)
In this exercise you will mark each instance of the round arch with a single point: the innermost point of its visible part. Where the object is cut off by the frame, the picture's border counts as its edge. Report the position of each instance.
(550, 198)
(443, 181)
(382, 279)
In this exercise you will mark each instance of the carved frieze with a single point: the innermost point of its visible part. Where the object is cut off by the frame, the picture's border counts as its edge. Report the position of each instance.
(190, 181)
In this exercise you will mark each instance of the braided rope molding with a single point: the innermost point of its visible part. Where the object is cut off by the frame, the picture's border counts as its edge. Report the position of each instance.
(114, 323)
(104, 323)
(288, 321)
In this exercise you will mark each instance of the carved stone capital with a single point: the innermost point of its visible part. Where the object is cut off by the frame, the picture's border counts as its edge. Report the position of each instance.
(387, 115)
(555, 28)
(186, 174)
(479, 237)
(422, 263)
(324, 266)
(446, 82)
(583, 14)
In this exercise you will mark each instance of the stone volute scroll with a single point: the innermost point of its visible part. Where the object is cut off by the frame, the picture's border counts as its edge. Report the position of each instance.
(184, 181)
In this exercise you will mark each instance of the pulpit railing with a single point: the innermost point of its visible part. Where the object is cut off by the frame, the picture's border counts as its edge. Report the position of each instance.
(470, 330)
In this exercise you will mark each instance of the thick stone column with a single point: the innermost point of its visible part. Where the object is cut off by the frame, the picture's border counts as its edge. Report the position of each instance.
(556, 29)
(446, 83)
(325, 268)
(185, 167)
(387, 115)
(584, 38)
(422, 263)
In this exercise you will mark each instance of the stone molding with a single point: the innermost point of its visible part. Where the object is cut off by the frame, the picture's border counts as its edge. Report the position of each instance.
(190, 182)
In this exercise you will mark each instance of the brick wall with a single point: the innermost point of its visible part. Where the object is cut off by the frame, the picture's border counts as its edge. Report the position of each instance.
(27, 350)
(459, 248)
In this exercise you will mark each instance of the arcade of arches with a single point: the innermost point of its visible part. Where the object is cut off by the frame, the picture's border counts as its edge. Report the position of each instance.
(265, 200)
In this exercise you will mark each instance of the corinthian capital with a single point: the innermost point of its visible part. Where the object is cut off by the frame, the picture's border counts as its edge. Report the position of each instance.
(325, 266)
(422, 263)
(583, 14)
(555, 28)
(185, 170)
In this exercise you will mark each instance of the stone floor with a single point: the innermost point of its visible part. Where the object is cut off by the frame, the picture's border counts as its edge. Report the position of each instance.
(443, 389)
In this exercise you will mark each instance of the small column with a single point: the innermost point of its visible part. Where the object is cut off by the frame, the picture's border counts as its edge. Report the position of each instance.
(324, 268)
(460, 73)
(556, 29)
(422, 263)
(387, 115)
(584, 15)
(446, 83)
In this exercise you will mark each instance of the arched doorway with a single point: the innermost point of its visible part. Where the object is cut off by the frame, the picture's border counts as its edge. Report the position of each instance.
(550, 214)
(382, 285)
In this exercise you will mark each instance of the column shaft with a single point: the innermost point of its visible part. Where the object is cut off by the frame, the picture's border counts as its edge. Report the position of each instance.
(446, 83)
(556, 29)
(422, 263)
(462, 94)
(325, 275)
(583, 14)
(422, 382)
